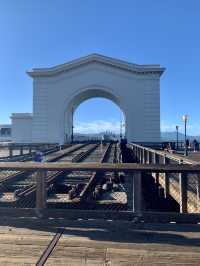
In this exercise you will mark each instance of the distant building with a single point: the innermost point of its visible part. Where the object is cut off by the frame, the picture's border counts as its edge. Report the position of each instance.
(108, 135)
(5, 132)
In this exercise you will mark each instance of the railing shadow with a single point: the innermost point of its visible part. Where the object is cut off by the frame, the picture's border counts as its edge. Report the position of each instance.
(118, 232)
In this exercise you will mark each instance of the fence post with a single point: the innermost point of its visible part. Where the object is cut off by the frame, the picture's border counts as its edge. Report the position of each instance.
(137, 192)
(198, 193)
(156, 161)
(166, 177)
(40, 192)
(137, 154)
(134, 151)
(141, 159)
(143, 156)
(183, 191)
(148, 155)
(10, 151)
(21, 150)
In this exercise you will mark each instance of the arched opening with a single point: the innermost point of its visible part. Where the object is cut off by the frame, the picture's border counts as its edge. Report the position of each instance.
(89, 110)
(98, 118)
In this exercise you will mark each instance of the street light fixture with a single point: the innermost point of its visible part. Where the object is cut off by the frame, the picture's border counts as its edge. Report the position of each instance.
(185, 120)
(177, 127)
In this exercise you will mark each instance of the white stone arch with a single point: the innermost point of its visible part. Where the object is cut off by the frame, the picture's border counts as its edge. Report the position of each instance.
(134, 88)
(71, 104)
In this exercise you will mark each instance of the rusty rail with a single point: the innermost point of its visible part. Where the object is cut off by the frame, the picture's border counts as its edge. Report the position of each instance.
(93, 179)
(51, 177)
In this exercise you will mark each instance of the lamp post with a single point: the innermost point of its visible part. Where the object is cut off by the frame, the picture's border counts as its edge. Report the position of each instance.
(177, 127)
(120, 129)
(185, 120)
(72, 135)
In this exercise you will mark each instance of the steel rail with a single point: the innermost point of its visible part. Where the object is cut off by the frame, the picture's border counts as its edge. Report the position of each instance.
(93, 179)
(17, 175)
(52, 176)
(45, 255)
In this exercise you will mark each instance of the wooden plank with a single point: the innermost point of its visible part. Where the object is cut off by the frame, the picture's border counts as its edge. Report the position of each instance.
(22, 246)
(100, 243)
(127, 167)
(125, 244)
(137, 192)
(183, 192)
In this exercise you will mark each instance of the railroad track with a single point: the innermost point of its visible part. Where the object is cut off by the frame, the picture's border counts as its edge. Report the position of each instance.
(77, 189)
(11, 176)
(71, 184)
(85, 190)
(25, 182)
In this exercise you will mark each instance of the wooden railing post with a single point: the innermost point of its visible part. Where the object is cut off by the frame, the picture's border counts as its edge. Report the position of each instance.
(141, 158)
(134, 151)
(198, 193)
(148, 155)
(183, 191)
(166, 177)
(144, 156)
(137, 192)
(21, 150)
(40, 191)
(137, 154)
(10, 151)
(156, 161)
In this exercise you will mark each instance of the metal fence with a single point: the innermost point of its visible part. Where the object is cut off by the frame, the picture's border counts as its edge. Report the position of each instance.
(117, 192)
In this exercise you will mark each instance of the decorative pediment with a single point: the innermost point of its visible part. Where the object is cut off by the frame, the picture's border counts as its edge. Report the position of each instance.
(115, 63)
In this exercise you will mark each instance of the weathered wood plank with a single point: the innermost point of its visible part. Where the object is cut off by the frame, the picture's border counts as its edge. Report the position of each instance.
(21, 249)
(127, 167)
(100, 243)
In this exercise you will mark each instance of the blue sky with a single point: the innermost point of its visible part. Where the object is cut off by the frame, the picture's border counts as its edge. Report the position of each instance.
(44, 33)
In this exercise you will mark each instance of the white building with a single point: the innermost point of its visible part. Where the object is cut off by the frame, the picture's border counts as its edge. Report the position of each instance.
(5, 133)
(59, 90)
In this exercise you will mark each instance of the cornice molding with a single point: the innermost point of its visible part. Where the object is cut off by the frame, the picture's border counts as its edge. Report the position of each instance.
(97, 58)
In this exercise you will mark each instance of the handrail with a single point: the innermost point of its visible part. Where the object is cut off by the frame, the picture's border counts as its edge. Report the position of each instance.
(126, 167)
(164, 153)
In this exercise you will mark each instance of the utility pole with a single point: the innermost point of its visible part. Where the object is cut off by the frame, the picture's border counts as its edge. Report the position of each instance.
(177, 127)
(185, 120)
(121, 129)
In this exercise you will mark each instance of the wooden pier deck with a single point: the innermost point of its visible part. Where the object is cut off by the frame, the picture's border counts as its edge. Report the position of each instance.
(96, 242)
(194, 156)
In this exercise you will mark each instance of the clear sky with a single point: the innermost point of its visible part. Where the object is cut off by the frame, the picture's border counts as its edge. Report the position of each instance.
(37, 33)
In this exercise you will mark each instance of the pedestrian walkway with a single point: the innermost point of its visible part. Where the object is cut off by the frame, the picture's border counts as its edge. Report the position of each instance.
(23, 241)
